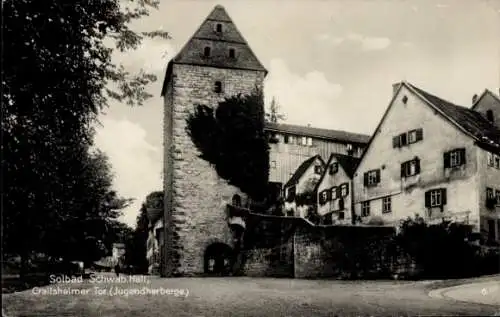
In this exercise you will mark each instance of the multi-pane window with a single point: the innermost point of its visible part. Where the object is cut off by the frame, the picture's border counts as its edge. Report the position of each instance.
(273, 164)
(372, 178)
(386, 205)
(344, 190)
(334, 193)
(304, 140)
(407, 138)
(454, 158)
(435, 198)
(324, 196)
(291, 139)
(497, 161)
(309, 141)
(410, 168)
(365, 209)
(497, 196)
(489, 193)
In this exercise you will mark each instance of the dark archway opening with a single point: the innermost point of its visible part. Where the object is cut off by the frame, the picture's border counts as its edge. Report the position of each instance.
(218, 259)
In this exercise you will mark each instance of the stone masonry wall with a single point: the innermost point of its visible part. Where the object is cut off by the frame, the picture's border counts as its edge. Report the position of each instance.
(196, 196)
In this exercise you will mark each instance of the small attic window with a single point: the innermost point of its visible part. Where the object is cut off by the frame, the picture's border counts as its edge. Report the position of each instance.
(489, 116)
(232, 53)
(405, 99)
(206, 51)
(218, 87)
(218, 28)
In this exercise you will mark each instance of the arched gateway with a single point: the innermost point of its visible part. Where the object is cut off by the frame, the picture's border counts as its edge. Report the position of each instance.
(218, 259)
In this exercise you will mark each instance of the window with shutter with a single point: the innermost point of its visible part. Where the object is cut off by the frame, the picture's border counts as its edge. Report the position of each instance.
(333, 193)
(497, 196)
(328, 194)
(365, 179)
(372, 177)
(339, 192)
(343, 190)
(420, 134)
(412, 136)
(410, 168)
(489, 193)
(456, 157)
(490, 159)
(435, 197)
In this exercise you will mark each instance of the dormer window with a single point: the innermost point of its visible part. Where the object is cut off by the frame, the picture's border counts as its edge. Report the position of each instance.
(206, 51)
(489, 116)
(232, 53)
(218, 28)
(218, 87)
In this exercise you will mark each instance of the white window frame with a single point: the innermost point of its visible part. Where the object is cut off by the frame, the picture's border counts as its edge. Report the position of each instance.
(273, 164)
(343, 190)
(309, 142)
(365, 206)
(304, 140)
(412, 137)
(291, 139)
(455, 159)
(410, 168)
(436, 198)
(334, 193)
(386, 205)
(490, 193)
(324, 196)
(372, 177)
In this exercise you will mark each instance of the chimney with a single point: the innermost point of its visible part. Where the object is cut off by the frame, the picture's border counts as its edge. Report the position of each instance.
(474, 99)
(395, 88)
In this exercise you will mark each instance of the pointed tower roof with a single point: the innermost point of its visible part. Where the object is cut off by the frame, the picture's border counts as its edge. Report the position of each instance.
(219, 33)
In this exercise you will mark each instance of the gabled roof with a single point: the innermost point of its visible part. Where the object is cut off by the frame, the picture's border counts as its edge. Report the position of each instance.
(485, 92)
(347, 162)
(467, 120)
(302, 169)
(219, 42)
(327, 134)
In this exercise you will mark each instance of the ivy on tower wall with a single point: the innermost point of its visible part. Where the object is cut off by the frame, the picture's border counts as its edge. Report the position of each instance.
(232, 138)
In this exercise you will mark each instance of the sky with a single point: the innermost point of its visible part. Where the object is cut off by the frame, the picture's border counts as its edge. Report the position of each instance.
(331, 64)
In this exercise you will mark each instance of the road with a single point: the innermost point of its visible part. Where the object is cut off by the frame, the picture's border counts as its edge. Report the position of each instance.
(242, 296)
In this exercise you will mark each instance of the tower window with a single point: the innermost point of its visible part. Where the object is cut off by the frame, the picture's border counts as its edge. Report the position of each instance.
(206, 51)
(232, 53)
(218, 28)
(218, 87)
(489, 116)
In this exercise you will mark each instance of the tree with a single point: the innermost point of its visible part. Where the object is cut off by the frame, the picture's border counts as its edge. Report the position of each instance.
(58, 76)
(232, 138)
(274, 114)
(137, 246)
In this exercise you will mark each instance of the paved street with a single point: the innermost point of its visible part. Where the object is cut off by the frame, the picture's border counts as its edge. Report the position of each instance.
(239, 297)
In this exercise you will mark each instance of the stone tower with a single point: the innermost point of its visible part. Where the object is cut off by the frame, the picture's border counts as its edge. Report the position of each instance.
(215, 63)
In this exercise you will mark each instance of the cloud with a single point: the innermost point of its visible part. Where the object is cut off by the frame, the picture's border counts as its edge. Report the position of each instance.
(370, 43)
(151, 55)
(307, 99)
(137, 164)
(367, 43)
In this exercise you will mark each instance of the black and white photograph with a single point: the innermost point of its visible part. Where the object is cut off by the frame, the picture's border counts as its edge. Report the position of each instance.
(199, 158)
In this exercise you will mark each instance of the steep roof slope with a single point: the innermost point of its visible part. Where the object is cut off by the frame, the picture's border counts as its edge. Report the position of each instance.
(302, 169)
(318, 133)
(219, 42)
